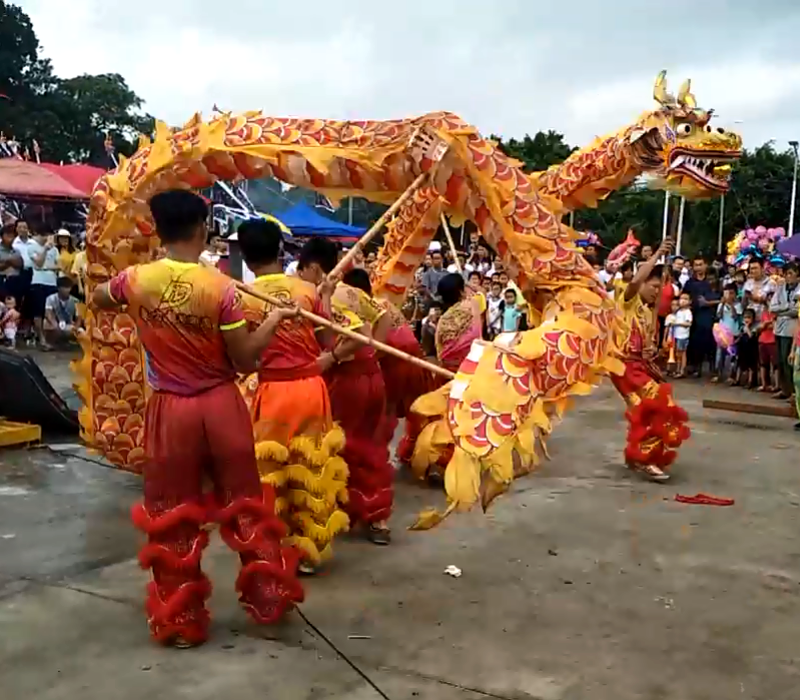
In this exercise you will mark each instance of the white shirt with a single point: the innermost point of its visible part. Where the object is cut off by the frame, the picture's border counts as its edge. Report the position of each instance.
(248, 276)
(682, 316)
(22, 248)
(291, 268)
(765, 286)
(42, 275)
(210, 258)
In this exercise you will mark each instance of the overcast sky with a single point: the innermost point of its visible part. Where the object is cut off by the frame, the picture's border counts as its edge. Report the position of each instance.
(582, 67)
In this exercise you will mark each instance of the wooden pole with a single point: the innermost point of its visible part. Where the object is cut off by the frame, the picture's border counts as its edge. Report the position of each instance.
(325, 323)
(450, 242)
(377, 226)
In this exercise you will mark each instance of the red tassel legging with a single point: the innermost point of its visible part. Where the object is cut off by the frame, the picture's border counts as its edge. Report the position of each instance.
(188, 440)
(358, 403)
(656, 424)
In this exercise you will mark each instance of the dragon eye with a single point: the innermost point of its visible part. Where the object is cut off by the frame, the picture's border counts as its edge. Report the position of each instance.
(709, 129)
(683, 129)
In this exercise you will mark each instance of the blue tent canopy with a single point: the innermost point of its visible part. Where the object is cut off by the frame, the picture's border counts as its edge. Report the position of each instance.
(304, 220)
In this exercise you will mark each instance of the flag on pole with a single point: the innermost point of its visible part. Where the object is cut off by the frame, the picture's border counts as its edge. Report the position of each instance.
(321, 201)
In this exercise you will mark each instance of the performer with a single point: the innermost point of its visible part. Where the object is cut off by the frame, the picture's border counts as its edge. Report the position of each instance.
(461, 323)
(404, 382)
(192, 327)
(656, 424)
(297, 444)
(358, 400)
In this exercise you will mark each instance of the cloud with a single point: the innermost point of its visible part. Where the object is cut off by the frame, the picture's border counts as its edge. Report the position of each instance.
(514, 67)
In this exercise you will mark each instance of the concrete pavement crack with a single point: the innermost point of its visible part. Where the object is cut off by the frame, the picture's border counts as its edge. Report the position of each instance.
(457, 686)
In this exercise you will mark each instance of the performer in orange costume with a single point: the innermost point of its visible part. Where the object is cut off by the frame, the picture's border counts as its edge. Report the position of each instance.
(656, 425)
(192, 327)
(358, 399)
(404, 381)
(297, 444)
(461, 323)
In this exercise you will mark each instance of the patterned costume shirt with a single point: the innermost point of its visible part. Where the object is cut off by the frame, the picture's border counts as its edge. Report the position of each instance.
(181, 311)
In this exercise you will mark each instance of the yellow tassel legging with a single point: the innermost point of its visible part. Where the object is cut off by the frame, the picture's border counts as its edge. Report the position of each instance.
(297, 447)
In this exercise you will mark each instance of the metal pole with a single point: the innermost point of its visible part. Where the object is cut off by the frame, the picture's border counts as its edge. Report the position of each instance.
(349, 211)
(793, 144)
(680, 226)
(572, 219)
(666, 216)
(721, 223)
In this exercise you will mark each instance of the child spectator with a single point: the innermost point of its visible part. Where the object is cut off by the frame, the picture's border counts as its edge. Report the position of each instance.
(475, 281)
(620, 282)
(729, 314)
(494, 311)
(511, 313)
(681, 329)
(767, 350)
(747, 350)
(668, 338)
(61, 313)
(9, 322)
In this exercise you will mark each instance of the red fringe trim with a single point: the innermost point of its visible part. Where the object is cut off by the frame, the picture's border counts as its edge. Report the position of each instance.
(190, 597)
(153, 554)
(257, 576)
(289, 590)
(159, 524)
(656, 421)
(268, 525)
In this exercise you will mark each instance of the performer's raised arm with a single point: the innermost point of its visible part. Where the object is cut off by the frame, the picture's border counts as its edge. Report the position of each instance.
(644, 270)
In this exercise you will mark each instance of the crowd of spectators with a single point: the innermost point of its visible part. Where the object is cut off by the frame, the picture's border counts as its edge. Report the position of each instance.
(41, 281)
(734, 324)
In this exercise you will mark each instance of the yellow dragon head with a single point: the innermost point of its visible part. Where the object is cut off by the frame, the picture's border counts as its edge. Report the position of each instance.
(677, 145)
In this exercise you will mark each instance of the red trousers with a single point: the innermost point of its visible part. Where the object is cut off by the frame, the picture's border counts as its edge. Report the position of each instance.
(190, 440)
(656, 424)
(358, 403)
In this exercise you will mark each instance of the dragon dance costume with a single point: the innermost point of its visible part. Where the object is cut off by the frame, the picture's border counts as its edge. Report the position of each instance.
(181, 312)
(404, 381)
(427, 445)
(297, 445)
(656, 424)
(358, 400)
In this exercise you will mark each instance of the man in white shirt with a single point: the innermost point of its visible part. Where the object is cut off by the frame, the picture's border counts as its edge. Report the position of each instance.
(758, 289)
(44, 260)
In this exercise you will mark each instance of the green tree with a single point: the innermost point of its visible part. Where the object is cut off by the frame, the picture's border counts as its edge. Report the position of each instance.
(68, 118)
(539, 152)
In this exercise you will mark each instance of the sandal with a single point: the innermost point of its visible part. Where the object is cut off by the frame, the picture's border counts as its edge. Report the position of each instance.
(381, 536)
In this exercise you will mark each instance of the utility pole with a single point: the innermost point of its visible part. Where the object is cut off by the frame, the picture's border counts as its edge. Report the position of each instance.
(665, 225)
(680, 226)
(721, 223)
(794, 145)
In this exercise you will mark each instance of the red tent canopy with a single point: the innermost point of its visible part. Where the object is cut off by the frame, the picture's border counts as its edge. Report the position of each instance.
(82, 177)
(25, 179)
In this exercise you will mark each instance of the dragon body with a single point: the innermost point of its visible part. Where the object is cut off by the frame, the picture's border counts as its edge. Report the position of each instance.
(506, 393)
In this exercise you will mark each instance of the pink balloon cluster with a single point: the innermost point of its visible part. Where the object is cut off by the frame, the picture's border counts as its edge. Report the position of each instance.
(758, 242)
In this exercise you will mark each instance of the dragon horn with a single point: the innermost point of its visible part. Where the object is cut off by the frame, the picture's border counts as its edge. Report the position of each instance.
(685, 97)
(660, 89)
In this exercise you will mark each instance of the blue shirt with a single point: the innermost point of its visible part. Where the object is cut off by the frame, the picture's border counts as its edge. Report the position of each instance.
(730, 316)
(511, 316)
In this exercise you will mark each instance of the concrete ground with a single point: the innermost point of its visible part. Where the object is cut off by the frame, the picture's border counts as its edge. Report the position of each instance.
(582, 584)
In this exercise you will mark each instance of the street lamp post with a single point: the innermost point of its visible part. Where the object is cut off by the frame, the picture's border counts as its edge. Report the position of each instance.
(794, 145)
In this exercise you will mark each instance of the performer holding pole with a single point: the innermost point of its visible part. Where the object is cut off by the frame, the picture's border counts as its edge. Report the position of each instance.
(297, 445)
(656, 424)
(191, 324)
